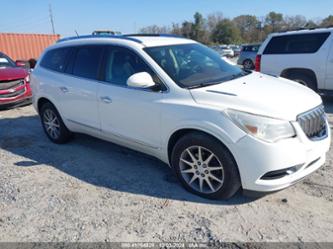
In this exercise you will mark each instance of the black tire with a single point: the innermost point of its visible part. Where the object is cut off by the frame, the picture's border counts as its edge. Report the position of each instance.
(248, 64)
(64, 134)
(231, 182)
(304, 79)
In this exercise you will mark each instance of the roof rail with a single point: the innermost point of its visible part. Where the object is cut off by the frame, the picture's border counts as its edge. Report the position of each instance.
(304, 28)
(152, 35)
(99, 36)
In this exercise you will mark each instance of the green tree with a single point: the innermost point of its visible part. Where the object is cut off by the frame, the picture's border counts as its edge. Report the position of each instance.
(248, 27)
(199, 32)
(274, 21)
(295, 22)
(311, 24)
(327, 22)
(213, 19)
(187, 29)
(226, 32)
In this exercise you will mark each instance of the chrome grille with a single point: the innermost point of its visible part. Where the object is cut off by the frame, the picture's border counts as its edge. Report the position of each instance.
(313, 123)
(13, 94)
(5, 85)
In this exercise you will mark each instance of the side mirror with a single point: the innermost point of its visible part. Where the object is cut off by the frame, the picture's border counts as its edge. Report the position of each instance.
(20, 63)
(141, 80)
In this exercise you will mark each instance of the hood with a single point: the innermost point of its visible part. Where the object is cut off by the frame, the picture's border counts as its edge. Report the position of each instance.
(260, 94)
(12, 73)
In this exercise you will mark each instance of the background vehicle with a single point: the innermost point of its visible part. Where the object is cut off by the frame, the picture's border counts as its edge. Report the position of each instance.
(247, 56)
(227, 51)
(304, 56)
(14, 83)
(106, 32)
(236, 49)
(218, 127)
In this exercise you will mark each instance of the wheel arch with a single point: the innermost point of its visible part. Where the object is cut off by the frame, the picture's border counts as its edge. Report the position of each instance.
(176, 135)
(286, 73)
(41, 101)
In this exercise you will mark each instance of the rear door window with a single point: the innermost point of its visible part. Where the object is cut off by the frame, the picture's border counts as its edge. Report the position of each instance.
(87, 61)
(55, 59)
(296, 44)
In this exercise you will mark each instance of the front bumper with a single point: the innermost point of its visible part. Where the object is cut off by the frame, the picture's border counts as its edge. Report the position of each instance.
(256, 158)
(23, 98)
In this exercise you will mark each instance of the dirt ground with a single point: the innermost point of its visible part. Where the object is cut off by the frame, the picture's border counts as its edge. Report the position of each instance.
(91, 190)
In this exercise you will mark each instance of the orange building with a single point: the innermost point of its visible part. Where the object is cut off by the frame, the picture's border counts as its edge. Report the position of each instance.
(25, 46)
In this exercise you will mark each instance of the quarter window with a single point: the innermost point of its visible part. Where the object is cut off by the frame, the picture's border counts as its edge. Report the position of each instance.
(296, 44)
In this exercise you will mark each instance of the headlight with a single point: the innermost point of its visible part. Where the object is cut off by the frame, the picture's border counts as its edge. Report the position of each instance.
(264, 128)
(27, 78)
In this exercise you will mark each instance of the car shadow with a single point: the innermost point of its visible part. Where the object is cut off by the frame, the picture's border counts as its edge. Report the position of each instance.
(97, 162)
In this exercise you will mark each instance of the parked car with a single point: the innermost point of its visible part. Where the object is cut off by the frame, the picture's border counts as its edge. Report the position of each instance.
(248, 55)
(304, 56)
(227, 51)
(14, 83)
(217, 126)
(236, 49)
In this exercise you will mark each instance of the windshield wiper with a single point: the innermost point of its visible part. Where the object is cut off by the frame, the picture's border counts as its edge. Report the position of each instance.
(231, 77)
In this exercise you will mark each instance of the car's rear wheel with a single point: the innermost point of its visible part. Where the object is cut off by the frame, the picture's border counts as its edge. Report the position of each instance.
(303, 79)
(248, 64)
(53, 125)
(205, 167)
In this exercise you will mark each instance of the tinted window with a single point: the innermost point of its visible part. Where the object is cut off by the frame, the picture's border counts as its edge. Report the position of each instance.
(296, 44)
(253, 48)
(55, 59)
(87, 60)
(122, 63)
(247, 48)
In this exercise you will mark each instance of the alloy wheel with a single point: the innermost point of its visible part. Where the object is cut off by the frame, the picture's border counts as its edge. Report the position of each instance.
(51, 124)
(248, 65)
(201, 169)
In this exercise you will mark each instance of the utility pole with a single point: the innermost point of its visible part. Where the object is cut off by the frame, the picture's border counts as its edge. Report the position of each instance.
(51, 18)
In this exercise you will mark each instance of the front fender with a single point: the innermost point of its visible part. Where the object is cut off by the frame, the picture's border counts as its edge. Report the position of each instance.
(222, 129)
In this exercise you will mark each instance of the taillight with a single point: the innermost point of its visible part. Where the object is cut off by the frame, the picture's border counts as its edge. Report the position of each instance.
(258, 62)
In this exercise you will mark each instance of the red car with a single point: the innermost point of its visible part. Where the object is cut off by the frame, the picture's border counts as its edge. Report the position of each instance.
(14, 83)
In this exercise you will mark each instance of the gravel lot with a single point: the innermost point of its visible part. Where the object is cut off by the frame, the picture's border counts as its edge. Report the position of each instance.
(91, 190)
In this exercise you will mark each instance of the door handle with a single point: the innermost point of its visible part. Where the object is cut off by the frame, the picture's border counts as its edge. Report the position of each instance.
(64, 89)
(106, 99)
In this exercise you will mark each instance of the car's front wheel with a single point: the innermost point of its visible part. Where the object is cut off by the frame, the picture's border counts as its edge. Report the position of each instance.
(53, 125)
(205, 167)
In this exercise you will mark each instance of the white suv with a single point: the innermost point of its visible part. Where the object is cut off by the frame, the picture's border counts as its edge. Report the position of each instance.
(218, 127)
(304, 56)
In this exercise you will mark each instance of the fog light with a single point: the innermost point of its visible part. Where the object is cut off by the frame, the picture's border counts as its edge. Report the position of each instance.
(277, 174)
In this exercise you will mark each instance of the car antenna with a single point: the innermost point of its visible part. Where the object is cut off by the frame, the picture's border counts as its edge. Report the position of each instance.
(76, 33)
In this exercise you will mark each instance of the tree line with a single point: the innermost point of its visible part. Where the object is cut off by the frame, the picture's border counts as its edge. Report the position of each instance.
(217, 29)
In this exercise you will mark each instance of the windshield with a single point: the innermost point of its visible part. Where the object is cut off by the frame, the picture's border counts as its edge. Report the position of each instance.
(193, 65)
(5, 61)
